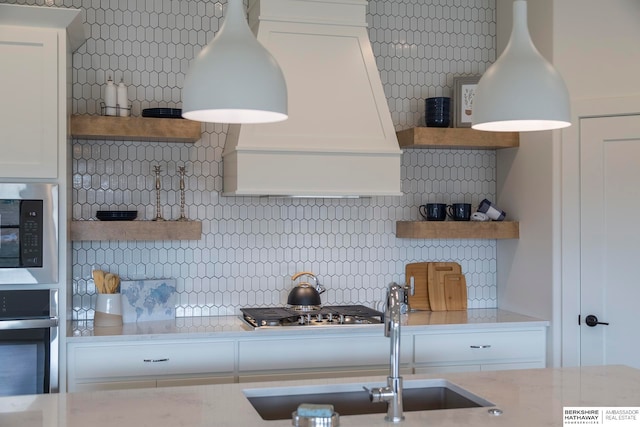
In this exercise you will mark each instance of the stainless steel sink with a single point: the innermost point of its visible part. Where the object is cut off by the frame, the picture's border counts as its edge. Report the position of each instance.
(277, 403)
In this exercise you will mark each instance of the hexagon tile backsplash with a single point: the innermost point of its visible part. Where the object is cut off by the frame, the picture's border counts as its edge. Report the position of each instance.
(251, 246)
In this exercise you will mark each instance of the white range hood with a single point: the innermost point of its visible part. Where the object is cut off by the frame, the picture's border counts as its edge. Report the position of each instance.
(339, 140)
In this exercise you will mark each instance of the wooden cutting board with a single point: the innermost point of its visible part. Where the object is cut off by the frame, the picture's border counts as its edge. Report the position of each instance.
(417, 272)
(455, 292)
(435, 283)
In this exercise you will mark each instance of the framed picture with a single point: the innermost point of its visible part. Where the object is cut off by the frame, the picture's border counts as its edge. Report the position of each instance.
(464, 89)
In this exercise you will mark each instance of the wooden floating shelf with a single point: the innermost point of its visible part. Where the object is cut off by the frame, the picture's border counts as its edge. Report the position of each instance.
(457, 230)
(136, 230)
(135, 128)
(463, 138)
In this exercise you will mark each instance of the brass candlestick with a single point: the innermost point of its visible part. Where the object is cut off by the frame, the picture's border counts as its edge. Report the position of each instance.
(157, 171)
(181, 171)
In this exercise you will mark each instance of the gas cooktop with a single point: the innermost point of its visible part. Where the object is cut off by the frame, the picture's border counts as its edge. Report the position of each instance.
(265, 317)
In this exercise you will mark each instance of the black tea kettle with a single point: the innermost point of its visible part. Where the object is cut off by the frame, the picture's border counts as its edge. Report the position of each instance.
(304, 295)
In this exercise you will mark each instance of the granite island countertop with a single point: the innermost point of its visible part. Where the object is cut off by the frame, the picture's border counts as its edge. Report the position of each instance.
(528, 398)
(233, 326)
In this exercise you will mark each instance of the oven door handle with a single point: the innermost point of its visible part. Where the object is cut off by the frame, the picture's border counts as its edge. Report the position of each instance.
(28, 323)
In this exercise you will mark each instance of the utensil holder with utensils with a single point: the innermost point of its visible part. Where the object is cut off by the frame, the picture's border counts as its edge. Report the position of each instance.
(108, 311)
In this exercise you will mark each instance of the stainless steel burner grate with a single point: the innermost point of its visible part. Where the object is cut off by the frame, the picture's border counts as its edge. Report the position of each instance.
(324, 316)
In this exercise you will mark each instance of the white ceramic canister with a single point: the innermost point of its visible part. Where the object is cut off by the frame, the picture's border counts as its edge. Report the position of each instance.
(110, 98)
(123, 102)
(108, 311)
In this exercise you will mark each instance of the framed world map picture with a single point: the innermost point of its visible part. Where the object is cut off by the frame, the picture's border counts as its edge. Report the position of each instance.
(146, 300)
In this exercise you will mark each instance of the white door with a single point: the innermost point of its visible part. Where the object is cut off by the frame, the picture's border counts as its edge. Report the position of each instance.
(610, 240)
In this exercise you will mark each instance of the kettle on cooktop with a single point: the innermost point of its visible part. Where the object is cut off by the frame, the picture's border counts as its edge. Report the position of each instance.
(304, 295)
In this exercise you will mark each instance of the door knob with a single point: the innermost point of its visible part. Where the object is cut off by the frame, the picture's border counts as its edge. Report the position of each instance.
(592, 321)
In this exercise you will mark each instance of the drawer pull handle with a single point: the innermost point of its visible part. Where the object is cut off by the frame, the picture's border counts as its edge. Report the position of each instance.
(481, 346)
(155, 360)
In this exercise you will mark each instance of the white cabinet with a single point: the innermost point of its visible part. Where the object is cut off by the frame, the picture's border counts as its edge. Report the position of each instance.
(250, 357)
(35, 47)
(302, 357)
(103, 366)
(480, 349)
(29, 106)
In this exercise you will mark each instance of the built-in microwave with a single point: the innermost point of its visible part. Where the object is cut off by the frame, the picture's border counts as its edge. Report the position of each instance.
(28, 233)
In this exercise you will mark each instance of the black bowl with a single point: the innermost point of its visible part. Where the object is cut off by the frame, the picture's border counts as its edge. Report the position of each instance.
(116, 215)
(167, 113)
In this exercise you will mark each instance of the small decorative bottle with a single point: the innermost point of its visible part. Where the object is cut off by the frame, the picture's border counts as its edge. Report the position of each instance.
(123, 102)
(110, 98)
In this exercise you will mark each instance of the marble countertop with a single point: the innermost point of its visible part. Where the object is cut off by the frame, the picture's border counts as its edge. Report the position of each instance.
(232, 326)
(528, 398)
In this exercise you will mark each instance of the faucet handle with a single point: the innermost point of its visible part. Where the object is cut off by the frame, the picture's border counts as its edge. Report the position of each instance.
(374, 393)
(379, 394)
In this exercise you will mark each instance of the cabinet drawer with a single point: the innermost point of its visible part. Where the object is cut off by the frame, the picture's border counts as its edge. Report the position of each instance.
(314, 375)
(446, 369)
(480, 347)
(304, 353)
(509, 366)
(114, 385)
(180, 382)
(136, 360)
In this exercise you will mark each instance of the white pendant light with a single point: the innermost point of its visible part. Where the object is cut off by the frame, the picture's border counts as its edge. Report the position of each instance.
(234, 79)
(521, 91)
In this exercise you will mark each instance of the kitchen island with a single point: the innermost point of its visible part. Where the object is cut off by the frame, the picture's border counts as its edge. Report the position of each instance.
(527, 398)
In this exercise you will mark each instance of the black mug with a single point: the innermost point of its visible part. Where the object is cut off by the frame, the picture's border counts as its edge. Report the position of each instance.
(459, 211)
(437, 111)
(434, 211)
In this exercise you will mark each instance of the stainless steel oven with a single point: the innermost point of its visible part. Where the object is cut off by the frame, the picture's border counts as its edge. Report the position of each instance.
(29, 342)
(28, 233)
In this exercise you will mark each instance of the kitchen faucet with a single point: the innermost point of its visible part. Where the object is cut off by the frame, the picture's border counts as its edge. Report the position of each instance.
(392, 393)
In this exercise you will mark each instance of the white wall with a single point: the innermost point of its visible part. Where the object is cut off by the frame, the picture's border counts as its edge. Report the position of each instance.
(594, 45)
(597, 49)
(251, 246)
(524, 267)
(597, 52)
(525, 191)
